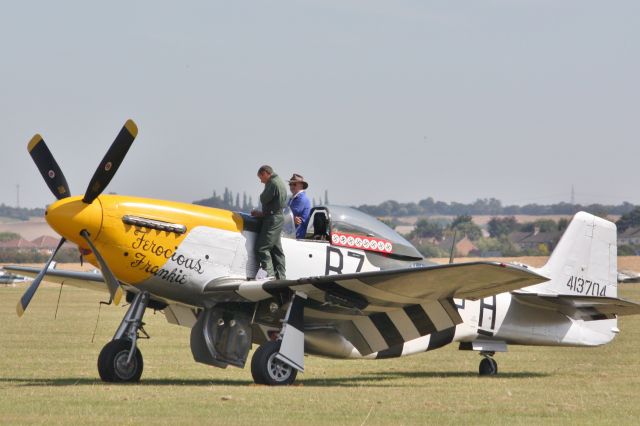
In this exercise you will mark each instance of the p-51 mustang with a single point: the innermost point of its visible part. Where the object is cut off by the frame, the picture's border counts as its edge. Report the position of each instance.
(356, 289)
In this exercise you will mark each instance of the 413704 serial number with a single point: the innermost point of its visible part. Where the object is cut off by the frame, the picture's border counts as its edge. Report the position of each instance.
(587, 287)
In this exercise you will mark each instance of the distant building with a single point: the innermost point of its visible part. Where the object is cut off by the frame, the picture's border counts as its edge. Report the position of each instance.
(533, 240)
(463, 246)
(18, 243)
(631, 236)
(44, 244)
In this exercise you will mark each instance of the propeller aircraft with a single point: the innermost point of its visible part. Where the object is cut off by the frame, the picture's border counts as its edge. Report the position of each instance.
(356, 289)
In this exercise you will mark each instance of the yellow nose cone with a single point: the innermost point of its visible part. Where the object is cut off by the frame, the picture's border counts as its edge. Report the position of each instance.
(70, 215)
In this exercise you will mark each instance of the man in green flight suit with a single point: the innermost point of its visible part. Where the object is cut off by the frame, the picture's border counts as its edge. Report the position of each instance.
(268, 246)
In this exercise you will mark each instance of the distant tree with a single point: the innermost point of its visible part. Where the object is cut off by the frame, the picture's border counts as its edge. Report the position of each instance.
(629, 220)
(20, 213)
(427, 205)
(486, 206)
(543, 250)
(501, 226)
(22, 256)
(501, 245)
(491, 206)
(427, 229)
(431, 250)
(543, 225)
(563, 224)
(465, 226)
(390, 222)
(626, 250)
(8, 236)
(68, 255)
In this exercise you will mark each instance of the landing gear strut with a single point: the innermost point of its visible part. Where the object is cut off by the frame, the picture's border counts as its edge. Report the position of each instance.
(488, 366)
(120, 360)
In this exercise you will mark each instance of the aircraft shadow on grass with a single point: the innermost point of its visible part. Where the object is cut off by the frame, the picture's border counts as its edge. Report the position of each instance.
(382, 379)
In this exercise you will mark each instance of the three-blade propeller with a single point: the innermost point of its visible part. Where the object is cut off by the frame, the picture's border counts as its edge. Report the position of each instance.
(57, 183)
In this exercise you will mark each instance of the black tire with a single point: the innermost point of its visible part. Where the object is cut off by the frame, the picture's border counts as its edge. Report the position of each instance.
(112, 362)
(488, 367)
(267, 370)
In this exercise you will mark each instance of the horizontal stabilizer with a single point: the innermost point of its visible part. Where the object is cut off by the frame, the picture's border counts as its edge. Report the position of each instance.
(588, 308)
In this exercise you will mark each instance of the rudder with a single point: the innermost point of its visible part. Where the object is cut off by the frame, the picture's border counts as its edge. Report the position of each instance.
(585, 260)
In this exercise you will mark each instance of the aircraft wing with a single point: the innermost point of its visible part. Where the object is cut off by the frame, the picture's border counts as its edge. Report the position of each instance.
(379, 311)
(394, 287)
(586, 308)
(88, 280)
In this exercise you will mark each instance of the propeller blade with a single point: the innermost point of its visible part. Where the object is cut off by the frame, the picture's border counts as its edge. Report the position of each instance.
(114, 286)
(111, 161)
(48, 167)
(28, 295)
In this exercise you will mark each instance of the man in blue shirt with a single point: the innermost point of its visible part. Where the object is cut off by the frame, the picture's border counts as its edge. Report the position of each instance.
(299, 204)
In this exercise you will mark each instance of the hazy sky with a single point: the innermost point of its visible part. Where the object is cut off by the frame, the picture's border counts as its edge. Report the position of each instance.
(372, 100)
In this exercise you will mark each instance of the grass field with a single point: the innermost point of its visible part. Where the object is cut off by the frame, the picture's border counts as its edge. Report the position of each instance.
(48, 375)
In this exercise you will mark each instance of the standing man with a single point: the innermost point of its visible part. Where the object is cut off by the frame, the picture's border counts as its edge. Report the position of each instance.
(268, 246)
(299, 204)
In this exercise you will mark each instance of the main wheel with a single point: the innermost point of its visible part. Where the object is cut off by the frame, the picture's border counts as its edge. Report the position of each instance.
(113, 365)
(488, 367)
(267, 370)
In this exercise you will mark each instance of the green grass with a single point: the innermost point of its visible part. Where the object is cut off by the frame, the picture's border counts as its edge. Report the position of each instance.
(48, 375)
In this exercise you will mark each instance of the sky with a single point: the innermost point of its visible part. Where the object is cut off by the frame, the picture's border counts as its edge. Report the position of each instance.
(371, 100)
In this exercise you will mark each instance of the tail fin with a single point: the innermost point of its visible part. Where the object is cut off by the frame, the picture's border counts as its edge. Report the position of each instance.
(585, 260)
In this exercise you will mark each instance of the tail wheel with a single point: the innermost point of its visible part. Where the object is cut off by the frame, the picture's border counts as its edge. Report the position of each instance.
(266, 369)
(113, 364)
(488, 367)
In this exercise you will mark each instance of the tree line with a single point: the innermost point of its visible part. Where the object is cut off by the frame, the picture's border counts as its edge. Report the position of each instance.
(20, 213)
(487, 206)
(426, 207)
(428, 234)
(228, 201)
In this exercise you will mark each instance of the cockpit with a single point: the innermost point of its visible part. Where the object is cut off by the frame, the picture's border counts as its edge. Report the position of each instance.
(348, 227)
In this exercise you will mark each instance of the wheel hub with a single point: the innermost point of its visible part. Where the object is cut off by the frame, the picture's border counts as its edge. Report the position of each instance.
(277, 369)
(125, 369)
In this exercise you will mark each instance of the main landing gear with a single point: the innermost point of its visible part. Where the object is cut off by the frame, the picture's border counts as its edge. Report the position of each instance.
(278, 362)
(266, 369)
(120, 360)
(488, 365)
